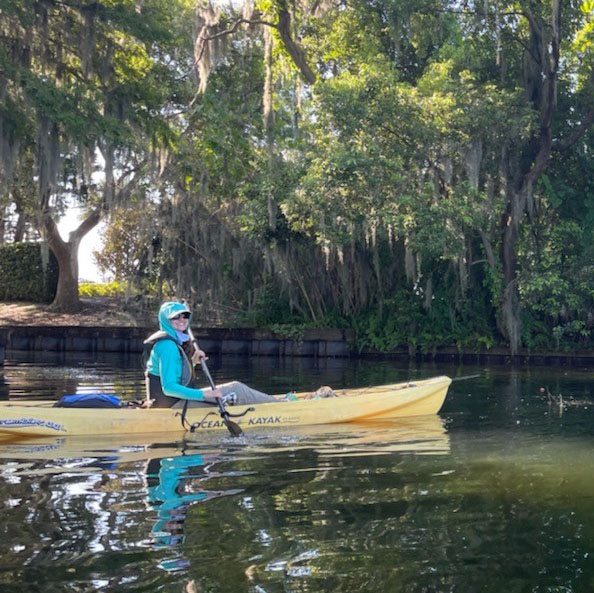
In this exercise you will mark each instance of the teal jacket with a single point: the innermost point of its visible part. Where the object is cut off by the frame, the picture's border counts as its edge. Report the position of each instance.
(167, 361)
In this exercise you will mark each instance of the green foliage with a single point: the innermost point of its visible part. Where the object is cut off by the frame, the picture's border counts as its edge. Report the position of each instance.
(557, 286)
(24, 277)
(123, 253)
(403, 322)
(288, 331)
(271, 310)
(91, 92)
(396, 173)
(389, 328)
(99, 289)
(400, 322)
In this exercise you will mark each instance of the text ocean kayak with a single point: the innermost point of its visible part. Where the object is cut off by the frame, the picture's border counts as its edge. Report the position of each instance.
(40, 419)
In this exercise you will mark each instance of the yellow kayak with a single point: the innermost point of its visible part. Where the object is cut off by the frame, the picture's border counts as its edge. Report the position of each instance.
(40, 419)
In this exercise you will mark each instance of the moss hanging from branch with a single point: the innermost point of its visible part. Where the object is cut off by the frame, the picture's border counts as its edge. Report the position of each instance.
(211, 44)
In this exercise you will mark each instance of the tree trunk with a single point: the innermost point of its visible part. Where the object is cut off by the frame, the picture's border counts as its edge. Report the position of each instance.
(510, 305)
(268, 116)
(67, 298)
(541, 72)
(21, 225)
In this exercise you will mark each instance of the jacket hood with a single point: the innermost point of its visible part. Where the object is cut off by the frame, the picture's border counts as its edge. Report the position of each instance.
(167, 310)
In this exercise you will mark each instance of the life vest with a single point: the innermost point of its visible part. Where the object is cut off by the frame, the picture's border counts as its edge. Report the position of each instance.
(153, 382)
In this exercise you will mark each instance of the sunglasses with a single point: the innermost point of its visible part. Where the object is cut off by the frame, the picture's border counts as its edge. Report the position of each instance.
(184, 315)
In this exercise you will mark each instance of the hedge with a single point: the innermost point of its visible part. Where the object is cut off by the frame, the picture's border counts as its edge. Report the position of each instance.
(22, 277)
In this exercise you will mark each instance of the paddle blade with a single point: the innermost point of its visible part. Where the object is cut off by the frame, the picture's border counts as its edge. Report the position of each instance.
(233, 428)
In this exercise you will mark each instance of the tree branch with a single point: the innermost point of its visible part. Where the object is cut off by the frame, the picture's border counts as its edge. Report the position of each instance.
(91, 221)
(51, 228)
(204, 39)
(236, 26)
(298, 55)
(577, 134)
(284, 29)
(550, 71)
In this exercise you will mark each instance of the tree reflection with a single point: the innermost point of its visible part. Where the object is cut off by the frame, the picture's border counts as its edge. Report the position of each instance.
(400, 509)
(4, 391)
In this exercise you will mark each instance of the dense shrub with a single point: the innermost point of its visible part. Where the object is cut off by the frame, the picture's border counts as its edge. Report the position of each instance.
(22, 274)
(97, 289)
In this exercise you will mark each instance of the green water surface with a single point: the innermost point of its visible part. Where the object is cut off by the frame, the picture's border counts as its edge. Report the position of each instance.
(495, 494)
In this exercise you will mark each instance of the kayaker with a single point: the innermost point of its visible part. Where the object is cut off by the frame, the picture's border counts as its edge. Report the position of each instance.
(170, 377)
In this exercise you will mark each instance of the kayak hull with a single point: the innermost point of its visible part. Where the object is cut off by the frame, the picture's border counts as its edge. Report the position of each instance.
(41, 419)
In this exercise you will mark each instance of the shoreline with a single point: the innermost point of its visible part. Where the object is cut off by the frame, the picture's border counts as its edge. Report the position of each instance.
(326, 343)
(103, 325)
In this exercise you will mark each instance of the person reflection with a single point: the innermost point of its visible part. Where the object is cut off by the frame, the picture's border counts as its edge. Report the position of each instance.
(171, 485)
(167, 480)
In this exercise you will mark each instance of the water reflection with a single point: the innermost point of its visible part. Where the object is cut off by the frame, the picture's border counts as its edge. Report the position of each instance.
(110, 477)
(173, 485)
(4, 391)
(49, 375)
(494, 495)
(400, 508)
(165, 479)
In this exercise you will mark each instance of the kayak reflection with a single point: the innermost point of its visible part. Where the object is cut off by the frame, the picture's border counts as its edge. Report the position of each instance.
(169, 477)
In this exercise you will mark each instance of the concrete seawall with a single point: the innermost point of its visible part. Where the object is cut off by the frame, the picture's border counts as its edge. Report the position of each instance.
(319, 342)
(259, 342)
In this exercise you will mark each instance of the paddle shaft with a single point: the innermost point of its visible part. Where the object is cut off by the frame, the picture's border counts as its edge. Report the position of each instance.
(206, 371)
(232, 427)
(465, 377)
(212, 384)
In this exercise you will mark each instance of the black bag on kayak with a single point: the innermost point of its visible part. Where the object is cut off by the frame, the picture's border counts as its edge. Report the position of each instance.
(88, 400)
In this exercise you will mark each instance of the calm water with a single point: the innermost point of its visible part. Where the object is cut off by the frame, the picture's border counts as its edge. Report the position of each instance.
(495, 494)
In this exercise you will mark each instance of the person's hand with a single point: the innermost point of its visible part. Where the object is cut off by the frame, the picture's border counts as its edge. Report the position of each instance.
(198, 356)
(213, 395)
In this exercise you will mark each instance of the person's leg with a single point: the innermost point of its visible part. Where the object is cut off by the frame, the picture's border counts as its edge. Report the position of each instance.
(245, 395)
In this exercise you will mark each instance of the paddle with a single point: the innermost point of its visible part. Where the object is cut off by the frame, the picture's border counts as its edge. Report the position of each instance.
(465, 377)
(232, 427)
